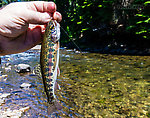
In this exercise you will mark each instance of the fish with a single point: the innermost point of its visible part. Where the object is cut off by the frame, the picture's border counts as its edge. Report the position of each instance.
(49, 61)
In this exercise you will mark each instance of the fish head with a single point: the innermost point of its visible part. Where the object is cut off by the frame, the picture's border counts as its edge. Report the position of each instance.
(54, 30)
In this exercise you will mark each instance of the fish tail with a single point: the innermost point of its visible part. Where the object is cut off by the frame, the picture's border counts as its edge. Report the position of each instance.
(53, 107)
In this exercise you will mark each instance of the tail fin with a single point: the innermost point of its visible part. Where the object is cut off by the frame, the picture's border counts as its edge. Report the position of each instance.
(53, 107)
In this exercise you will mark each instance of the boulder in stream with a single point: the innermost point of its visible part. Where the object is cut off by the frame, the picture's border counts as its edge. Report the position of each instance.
(23, 68)
(13, 113)
(4, 95)
(3, 77)
(7, 67)
(7, 64)
(2, 101)
(25, 85)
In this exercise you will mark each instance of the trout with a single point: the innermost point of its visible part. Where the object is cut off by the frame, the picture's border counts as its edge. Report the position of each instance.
(49, 59)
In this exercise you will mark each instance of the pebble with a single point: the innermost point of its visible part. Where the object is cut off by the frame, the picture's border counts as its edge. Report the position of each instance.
(4, 95)
(67, 56)
(62, 48)
(3, 76)
(22, 68)
(78, 52)
(7, 64)
(7, 69)
(69, 50)
(2, 98)
(2, 101)
(25, 85)
(13, 113)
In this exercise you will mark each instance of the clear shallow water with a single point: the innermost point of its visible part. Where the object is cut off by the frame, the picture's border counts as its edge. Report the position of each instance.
(92, 86)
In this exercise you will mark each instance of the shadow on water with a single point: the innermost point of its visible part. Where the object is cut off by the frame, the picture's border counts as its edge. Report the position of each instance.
(92, 85)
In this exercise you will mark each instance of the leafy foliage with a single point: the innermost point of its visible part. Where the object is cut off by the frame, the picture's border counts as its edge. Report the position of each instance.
(84, 15)
(140, 22)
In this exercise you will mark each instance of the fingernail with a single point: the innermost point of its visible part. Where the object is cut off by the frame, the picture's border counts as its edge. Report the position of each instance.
(59, 17)
(53, 7)
(58, 14)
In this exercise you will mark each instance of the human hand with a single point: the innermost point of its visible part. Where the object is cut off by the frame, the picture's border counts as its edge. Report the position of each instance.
(22, 25)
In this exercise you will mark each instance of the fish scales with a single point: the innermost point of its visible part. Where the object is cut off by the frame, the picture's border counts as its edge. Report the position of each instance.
(49, 58)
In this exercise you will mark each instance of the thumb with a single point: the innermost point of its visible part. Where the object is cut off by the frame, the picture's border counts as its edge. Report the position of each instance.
(34, 17)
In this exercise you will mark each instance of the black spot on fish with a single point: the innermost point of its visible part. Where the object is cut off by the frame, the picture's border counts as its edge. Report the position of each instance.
(50, 64)
(50, 74)
(47, 69)
(49, 86)
(47, 82)
(45, 60)
(51, 89)
(51, 49)
(50, 80)
(47, 75)
(51, 94)
(50, 56)
(52, 44)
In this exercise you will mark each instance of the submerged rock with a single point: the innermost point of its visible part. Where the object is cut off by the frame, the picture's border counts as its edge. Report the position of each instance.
(69, 50)
(3, 77)
(7, 67)
(2, 101)
(7, 64)
(67, 56)
(78, 52)
(23, 68)
(25, 85)
(4, 95)
(13, 113)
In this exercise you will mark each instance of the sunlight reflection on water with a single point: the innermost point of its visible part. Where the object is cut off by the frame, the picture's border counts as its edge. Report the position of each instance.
(92, 85)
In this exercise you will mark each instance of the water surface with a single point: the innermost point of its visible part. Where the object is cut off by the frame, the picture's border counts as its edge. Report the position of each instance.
(92, 85)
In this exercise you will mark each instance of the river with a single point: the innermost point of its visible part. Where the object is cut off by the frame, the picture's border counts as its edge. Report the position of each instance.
(92, 85)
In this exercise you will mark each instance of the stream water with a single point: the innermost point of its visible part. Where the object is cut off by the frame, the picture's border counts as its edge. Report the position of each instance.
(92, 85)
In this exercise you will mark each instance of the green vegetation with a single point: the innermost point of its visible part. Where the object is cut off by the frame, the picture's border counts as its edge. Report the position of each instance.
(140, 22)
(83, 17)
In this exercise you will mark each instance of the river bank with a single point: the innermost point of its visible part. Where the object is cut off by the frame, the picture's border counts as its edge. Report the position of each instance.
(119, 44)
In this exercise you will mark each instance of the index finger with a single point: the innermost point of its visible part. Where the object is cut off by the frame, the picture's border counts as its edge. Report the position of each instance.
(42, 6)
